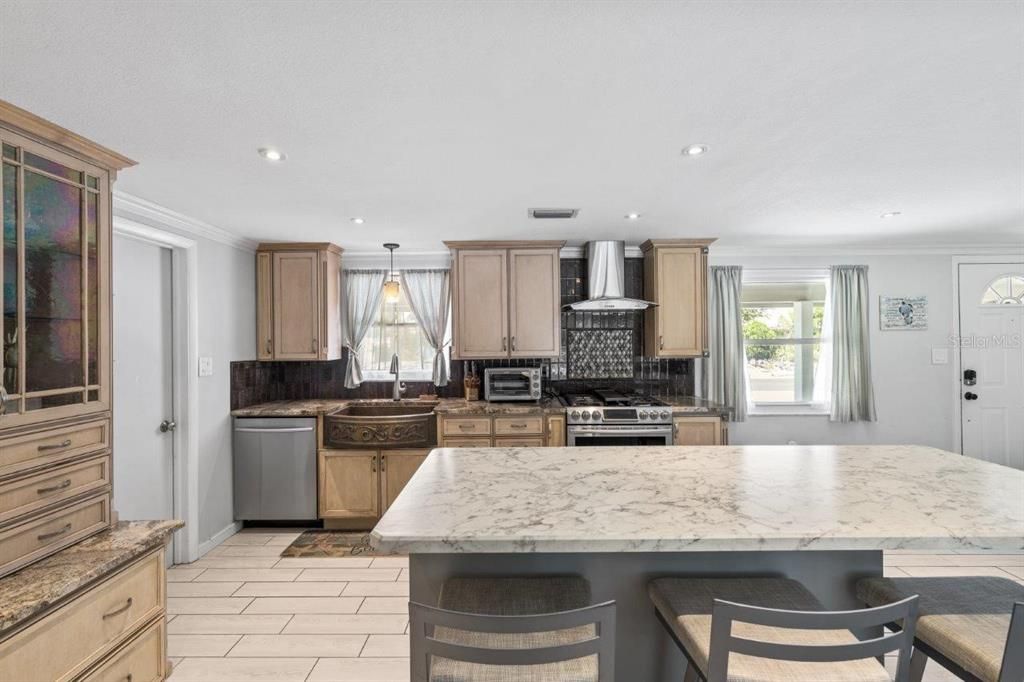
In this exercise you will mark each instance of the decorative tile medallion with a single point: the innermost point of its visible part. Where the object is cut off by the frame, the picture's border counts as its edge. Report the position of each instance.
(599, 353)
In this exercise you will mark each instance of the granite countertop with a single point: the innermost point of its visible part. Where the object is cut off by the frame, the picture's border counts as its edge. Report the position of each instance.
(688, 404)
(452, 406)
(672, 499)
(33, 589)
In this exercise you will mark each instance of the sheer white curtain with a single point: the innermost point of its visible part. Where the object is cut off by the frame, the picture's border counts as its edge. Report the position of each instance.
(853, 397)
(429, 296)
(727, 362)
(363, 292)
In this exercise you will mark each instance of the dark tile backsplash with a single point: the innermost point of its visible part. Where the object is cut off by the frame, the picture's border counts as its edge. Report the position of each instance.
(255, 382)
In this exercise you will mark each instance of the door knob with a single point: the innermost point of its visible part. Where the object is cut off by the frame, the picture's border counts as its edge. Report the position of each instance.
(167, 425)
(970, 396)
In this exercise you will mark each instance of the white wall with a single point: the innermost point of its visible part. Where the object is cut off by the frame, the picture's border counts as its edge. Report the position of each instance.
(913, 397)
(226, 332)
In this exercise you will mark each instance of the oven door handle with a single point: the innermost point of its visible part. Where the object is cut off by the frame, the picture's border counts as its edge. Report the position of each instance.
(621, 432)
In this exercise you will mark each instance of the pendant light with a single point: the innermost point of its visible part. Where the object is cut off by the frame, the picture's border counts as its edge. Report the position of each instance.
(391, 288)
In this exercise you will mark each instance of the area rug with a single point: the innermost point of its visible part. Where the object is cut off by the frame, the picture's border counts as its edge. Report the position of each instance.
(330, 543)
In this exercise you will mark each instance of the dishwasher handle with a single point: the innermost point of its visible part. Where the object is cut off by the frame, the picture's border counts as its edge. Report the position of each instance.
(289, 429)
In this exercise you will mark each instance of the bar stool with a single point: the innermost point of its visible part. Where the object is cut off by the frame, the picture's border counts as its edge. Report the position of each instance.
(774, 630)
(521, 629)
(972, 626)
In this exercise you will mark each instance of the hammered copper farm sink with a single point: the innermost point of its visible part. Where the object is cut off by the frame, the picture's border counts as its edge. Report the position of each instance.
(382, 424)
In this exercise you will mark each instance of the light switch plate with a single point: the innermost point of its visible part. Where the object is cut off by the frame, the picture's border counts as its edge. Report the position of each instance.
(206, 366)
(940, 356)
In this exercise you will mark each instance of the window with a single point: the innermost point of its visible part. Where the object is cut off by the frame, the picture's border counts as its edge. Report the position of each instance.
(1006, 290)
(396, 330)
(783, 317)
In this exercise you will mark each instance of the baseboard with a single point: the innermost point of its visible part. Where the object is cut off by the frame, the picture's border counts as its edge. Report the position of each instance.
(219, 537)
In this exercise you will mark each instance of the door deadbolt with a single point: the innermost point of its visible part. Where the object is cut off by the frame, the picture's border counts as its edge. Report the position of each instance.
(970, 377)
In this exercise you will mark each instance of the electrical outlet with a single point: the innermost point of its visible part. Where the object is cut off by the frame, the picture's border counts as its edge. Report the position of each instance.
(206, 367)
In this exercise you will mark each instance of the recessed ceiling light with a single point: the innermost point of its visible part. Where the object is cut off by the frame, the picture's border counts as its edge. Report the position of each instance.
(632, 216)
(695, 150)
(358, 221)
(891, 214)
(271, 154)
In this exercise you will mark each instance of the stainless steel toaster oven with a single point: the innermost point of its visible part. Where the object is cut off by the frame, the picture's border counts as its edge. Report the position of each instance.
(512, 383)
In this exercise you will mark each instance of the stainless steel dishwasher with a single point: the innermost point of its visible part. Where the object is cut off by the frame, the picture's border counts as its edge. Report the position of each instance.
(275, 468)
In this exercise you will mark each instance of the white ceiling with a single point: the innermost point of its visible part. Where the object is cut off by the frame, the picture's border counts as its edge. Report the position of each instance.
(443, 120)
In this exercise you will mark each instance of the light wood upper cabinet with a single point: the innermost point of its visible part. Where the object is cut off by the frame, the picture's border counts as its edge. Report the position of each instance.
(298, 296)
(676, 278)
(534, 315)
(481, 286)
(505, 299)
(348, 483)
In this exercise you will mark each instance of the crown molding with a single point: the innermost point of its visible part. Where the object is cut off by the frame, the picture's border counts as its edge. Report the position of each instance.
(975, 249)
(139, 210)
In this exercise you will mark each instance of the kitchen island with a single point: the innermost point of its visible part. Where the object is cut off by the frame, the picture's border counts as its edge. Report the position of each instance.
(621, 516)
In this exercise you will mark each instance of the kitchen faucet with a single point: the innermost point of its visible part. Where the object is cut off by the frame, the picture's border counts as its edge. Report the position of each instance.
(397, 387)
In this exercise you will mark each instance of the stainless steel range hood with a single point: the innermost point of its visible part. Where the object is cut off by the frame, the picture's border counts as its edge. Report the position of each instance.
(606, 266)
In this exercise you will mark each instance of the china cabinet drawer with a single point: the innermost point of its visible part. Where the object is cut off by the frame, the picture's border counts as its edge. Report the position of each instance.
(466, 443)
(518, 426)
(477, 426)
(69, 640)
(53, 445)
(32, 540)
(141, 660)
(523, 442)
(27, 495)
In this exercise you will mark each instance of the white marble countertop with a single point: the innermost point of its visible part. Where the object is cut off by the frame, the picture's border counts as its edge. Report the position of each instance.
(672, 499)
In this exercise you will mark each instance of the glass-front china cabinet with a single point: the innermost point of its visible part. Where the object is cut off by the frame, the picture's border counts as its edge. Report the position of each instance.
(55, 272)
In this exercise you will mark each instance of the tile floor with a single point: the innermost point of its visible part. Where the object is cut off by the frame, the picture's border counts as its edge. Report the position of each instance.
(243, 613)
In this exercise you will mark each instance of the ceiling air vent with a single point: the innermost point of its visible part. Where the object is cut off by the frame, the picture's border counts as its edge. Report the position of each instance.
(553, 213)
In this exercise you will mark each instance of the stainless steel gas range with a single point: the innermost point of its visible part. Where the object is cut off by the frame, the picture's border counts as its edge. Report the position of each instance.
(612, 418)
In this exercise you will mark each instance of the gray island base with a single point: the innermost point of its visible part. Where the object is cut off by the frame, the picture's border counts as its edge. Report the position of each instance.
(622, 516)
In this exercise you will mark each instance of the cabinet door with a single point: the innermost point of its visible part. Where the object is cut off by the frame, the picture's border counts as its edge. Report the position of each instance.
(396, 468)
(555, 430)
(681, 294)
(348, 483)
(534, 314)
(697, 431)
(296, 305)
(264, 306)
(481, 304)
(55, 294)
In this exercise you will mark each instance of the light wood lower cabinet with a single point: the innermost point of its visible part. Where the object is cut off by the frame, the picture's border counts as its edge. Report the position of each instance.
(510, 431)
(364, 483)
(141, 660)
(41, 536)
(699, 431)
(349, 485)
(81, 634)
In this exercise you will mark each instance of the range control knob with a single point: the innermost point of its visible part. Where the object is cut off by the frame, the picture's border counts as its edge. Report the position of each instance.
(665, 415)
(586, 415)
(643, 414)
(575, 414)
(597, 416)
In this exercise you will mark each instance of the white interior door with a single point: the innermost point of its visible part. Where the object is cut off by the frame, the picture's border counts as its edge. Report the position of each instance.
(992, 348)
(143, 381)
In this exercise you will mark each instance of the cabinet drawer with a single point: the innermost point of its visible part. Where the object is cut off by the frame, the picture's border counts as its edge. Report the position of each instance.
(524, 442)
(466, 443)
(27, 495)
(67, 641)
(45, 447)
(476, 426)
(519, 426)
(26, 542)
(141, 660)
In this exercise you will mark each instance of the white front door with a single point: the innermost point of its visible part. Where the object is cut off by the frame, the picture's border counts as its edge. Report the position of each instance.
(992, 361)
(143, 386)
